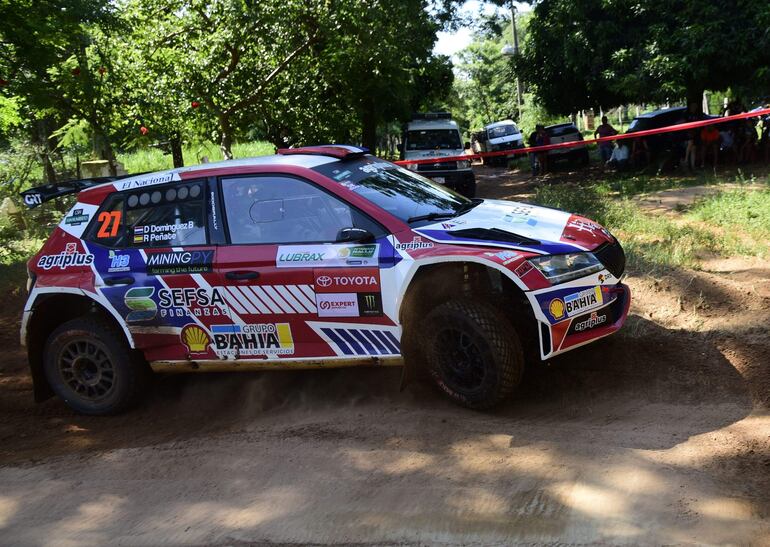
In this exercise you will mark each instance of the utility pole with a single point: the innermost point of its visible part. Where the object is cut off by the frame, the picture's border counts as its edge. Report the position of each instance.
(509, 51)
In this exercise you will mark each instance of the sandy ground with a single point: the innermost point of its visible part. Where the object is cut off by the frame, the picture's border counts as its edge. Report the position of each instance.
(660, 434)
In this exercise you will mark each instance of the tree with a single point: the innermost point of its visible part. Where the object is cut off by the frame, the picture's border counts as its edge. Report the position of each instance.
(581, 55)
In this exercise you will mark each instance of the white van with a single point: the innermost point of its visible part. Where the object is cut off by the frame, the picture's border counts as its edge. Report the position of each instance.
(436, 135)
(502, 135)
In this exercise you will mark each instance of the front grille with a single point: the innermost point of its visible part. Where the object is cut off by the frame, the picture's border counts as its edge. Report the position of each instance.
(613, 257)
(438, 166)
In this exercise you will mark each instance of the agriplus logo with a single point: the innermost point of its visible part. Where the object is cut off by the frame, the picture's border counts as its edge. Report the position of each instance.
(68, 258)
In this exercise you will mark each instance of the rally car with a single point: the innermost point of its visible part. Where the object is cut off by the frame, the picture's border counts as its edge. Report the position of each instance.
(315, 257)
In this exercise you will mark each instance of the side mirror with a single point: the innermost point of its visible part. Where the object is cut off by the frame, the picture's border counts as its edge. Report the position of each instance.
(467, 145)
(354, 235)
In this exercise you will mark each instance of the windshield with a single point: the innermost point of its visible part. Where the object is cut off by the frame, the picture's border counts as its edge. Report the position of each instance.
(433, 139)
(638, 124)
(400, 192)
(502, 131)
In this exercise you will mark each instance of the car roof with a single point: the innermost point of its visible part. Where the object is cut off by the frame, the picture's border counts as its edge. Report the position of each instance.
(662, 111)
(499, 124)
(417, 125)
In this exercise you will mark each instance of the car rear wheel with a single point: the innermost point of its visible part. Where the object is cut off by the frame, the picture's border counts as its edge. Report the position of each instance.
(473, 353)
(89, 364)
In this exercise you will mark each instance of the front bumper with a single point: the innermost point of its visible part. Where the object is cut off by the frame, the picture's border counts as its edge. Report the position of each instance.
(456, 180)
(561, 335)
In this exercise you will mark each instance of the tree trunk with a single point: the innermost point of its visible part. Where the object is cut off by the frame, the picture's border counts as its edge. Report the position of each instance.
(176, 151)
(369, 127)
(226, 136)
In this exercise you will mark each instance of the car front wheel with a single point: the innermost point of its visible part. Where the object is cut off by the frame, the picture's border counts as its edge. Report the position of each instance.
(473, 353)
(89, 364)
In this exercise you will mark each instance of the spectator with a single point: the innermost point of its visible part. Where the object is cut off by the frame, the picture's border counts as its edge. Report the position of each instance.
(640, 152)
(709, 136)
(727, 144)
(605, 148)
(747, 141)
(543, 139)
(619, 158)
(692, 144)
(532, 142)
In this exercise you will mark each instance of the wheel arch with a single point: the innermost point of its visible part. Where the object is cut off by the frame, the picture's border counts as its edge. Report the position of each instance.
(46, 310)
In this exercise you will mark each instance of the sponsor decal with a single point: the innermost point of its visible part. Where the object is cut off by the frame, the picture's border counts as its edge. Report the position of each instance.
(308, 256)
(593, 321)
(347, 280)
(70, 257)
(195, 338)
(119, 262)
(520, 213)
(179, 262)
(197, 301)
(160, 232)
(140, 304)
(583, 300)
(576, 227)
(556, 308)
(146, 181)
(76, 218)
(370, 304)
(523, 268)
(376, 166)
(506, 257)
(337, 304)
(414, 245)
(340, 175)
(32, 200)
(601, 278)
(256, 339)
(214, 223)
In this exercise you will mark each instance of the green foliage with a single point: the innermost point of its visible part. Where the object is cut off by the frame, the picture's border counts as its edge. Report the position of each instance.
(154, 159)
(581, 55)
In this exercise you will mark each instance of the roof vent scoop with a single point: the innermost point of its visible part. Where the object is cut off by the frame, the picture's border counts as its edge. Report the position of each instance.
(339, 151)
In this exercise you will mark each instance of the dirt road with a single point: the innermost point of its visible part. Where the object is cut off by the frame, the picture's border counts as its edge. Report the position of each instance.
(660, 434)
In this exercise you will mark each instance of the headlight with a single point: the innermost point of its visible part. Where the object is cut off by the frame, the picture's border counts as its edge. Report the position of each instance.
(463, 164)
(560, 268)
(411, 166)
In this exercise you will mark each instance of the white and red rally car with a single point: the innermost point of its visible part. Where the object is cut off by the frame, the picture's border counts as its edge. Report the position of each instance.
(315, 257)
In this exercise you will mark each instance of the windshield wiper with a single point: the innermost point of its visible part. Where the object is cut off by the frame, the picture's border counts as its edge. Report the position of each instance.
(468, 206)
(432, 216)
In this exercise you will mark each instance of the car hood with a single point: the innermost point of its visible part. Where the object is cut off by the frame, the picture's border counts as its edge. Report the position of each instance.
(508, 138)
(427, 154)
(521, 226)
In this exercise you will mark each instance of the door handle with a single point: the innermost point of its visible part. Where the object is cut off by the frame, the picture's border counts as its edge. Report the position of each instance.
(122, 280)
(240, 275)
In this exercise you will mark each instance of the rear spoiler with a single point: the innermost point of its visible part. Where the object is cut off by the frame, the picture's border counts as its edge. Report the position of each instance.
(41, 194)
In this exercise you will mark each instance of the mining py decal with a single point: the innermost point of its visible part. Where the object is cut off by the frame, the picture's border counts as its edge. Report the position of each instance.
(140, 304)
(309, 256)
(180, 262)
(264, 339)
(70, 257)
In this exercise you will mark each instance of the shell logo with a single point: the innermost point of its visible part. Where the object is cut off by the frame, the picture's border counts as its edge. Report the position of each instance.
(556, 307)
(195, 338)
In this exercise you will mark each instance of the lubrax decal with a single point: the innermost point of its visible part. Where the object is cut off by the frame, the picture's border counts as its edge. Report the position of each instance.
(301, 257)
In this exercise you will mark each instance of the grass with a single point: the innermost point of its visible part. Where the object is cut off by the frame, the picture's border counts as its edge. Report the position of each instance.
(153, 159)
(730, 223)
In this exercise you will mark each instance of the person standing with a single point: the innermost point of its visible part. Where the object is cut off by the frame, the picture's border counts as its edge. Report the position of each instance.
(532, 142)
(605, 148)
(543, 139)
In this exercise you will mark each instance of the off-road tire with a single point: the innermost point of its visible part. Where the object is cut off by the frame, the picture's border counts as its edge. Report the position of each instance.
(491, 363)
(102, 356)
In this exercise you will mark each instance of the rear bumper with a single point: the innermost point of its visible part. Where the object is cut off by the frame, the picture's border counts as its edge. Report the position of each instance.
(585, 328)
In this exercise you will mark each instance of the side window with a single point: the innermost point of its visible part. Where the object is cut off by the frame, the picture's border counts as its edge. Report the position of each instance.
(156, 216)
(166, 216)
(286, 210)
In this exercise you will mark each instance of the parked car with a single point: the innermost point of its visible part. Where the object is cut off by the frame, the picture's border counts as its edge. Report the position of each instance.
(436, 135)
(502, 135)
(315, 257)
(567, 132)
(665, 117)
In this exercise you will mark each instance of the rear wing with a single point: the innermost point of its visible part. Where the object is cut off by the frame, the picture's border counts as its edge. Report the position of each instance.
(41, 194)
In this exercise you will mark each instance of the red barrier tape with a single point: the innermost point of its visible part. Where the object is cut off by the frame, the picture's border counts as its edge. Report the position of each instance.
(571, 144)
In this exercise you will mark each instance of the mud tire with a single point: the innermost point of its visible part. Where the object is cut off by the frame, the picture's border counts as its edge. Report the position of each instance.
(89, 364)
(472, 353)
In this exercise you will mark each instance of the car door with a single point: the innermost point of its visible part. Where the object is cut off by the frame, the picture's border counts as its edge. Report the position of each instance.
(285, 274)
(154, 266)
